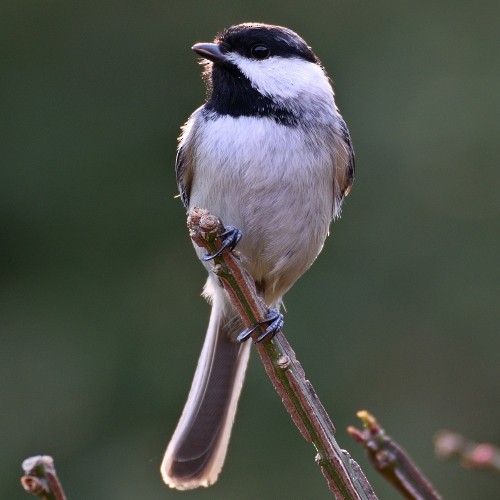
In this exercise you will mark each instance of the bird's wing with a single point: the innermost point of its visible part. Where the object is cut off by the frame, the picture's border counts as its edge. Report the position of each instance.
(184, 161)
(344, 167)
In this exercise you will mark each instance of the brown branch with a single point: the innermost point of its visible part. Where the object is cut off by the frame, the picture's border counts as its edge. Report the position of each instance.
(391, 460)
(40, 478)
(344, 476)
(472, 455)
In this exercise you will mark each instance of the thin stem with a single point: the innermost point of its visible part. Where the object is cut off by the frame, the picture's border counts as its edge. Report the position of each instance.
(40, 478)
(344, 476)
(472, 455)
(392, 461)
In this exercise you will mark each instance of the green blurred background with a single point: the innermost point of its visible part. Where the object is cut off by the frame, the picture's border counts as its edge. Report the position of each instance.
(101, 319)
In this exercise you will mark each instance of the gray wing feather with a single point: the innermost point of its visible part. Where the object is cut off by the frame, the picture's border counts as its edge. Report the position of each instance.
(183, 175)
(184, 161)
(345, 186)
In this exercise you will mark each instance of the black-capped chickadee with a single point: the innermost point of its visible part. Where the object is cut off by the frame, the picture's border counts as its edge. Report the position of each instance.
(267, 153)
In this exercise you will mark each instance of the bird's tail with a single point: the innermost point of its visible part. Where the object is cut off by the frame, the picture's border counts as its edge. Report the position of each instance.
(196, 452)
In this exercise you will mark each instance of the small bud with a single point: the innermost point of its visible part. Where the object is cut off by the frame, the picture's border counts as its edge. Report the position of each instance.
(483, 455)
(283, 362)
(34, 485)
(208, 223)
(194, 216)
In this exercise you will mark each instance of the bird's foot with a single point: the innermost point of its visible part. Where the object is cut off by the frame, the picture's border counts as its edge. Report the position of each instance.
(274, 320)
(231, 236)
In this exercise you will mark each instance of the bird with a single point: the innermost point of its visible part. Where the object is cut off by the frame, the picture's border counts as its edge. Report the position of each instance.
(267, 153)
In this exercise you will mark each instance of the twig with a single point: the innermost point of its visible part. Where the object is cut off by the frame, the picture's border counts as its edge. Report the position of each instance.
(40, 478)
(391, 460)
(472, 455)
(344, 476)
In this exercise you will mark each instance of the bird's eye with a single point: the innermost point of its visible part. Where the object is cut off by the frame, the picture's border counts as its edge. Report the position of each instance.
(260, 51)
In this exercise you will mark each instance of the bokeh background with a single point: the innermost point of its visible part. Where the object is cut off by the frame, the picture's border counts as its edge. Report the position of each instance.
(101, 320)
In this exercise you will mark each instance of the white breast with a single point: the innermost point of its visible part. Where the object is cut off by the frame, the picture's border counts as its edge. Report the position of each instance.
(273, 182)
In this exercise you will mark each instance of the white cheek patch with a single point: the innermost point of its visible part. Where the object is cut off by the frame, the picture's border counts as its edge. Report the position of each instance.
(283, 77)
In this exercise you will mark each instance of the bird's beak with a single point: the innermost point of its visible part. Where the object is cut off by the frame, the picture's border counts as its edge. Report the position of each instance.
(210, 51)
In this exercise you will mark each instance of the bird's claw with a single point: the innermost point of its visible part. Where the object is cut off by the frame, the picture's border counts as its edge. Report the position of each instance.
(231, 236)
(275, 322)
